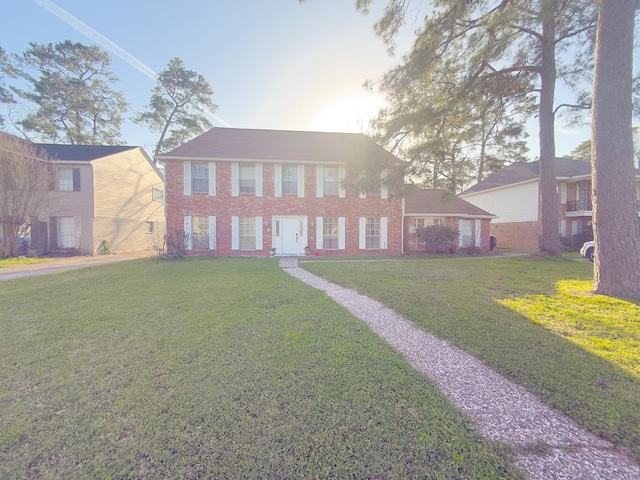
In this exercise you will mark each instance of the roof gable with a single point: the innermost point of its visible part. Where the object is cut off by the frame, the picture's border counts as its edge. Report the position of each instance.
(282, 146)
(441, 202)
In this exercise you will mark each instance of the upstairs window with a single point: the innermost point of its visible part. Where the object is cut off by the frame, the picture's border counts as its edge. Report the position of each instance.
(247, 178)
(69, 179)
(199, 178)
(289, 180)
(331, 181)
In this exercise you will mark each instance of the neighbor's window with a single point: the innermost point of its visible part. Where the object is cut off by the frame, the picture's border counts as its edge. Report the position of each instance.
(247, 233)
(330, 233)
(247, 178)
(372, 233)
(199, 178)
(331, 182)
(200, 233)
(69, 179)
(157, 195)
(148, 227)
(289, 180)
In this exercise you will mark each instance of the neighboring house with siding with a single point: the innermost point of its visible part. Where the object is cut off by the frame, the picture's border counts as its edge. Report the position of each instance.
(260, 192)
(112, 193)
(513, 195)
(424, 208)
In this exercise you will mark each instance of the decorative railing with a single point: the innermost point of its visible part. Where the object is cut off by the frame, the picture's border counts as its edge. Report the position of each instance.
(584, 206)
(579, 206)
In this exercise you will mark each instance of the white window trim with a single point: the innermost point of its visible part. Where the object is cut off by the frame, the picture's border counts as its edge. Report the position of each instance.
(342, 173)
(212, 179)
(188, 244)
(342, 222)
(259, 180)
(301, 181)
(187, 178)
(235, 233)
(563, 193)
(320, 232)
(362, 233)
(278, 178)
(212, 233)
(259, 233)
(383, 233)
(319, 183)
(235, 180)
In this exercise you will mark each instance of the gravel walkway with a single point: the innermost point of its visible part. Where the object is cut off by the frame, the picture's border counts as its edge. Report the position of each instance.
(504, 411)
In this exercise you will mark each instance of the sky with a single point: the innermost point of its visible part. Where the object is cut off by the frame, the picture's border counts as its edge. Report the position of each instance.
(273, 64)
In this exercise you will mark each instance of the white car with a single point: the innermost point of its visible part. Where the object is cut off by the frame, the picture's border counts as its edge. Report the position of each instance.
(587, 250)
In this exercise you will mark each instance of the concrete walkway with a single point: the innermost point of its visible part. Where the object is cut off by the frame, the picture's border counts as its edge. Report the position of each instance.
(504, 411)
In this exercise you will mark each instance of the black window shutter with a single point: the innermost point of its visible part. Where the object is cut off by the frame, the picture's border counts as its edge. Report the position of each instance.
(76, 179)
(53, 237)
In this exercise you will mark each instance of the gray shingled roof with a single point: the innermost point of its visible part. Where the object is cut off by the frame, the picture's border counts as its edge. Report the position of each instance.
(524, 171)
(282, 145)
(442, 202)
(80, 153)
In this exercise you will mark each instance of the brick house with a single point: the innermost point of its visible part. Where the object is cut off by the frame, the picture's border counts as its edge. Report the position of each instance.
(512, 194)
(235, 192)
(260, 192)
(423, 208)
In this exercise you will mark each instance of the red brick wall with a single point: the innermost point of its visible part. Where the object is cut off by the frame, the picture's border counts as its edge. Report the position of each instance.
(224, 206)
(517, 235)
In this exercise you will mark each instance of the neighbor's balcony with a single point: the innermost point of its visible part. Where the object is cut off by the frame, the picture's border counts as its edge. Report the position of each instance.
(583, 206)
(579, 206)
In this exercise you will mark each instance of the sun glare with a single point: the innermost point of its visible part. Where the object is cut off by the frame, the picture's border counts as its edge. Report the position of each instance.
(351, 113)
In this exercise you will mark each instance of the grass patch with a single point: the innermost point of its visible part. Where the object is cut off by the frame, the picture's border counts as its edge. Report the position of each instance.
(529, 318)
(18, 261)
(605, 326)
(214, 368)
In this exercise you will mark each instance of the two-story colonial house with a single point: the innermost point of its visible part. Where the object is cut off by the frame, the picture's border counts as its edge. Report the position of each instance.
(512, 194)
(237, 192)
(260, 192)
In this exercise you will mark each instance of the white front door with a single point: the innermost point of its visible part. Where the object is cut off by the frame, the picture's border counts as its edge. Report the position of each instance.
(290, 235)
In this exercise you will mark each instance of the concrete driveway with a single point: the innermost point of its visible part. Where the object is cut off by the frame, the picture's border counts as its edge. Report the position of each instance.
(60, 264)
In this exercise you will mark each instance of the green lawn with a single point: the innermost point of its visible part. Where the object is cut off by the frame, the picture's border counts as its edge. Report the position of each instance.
(217, 368)
(530, 318)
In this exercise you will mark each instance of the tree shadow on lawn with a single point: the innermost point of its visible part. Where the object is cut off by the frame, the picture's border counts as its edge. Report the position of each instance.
(465, 307)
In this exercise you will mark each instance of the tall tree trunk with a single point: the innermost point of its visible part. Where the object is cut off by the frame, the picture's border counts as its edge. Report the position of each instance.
(615, 210)
(549, 234)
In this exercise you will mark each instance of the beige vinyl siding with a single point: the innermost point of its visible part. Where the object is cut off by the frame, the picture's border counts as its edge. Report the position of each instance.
(123, 201)
(515, 203)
